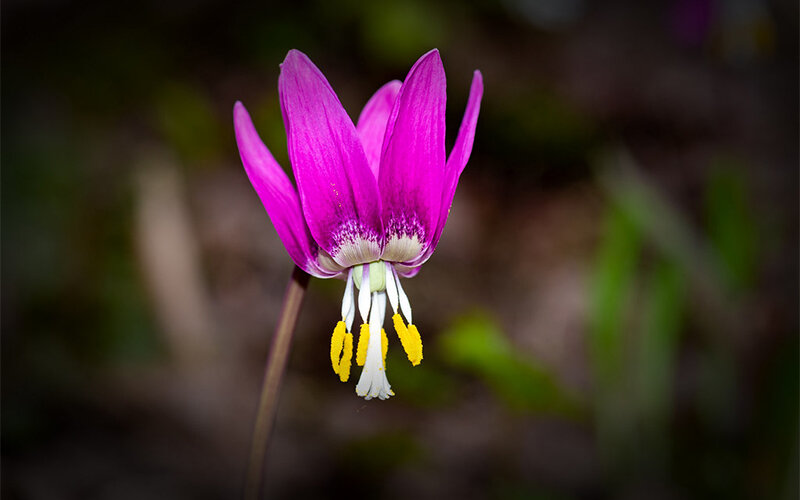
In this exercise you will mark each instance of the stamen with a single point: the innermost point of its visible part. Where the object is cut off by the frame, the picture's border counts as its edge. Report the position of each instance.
(400, 328)
(363, 341)
(351, 315)
(409, 338)
(347, 356)
(363, 294)
(415, 342)
(391, 286)
(405, 305)
(347, 300)
(384, 346)
(337, 341)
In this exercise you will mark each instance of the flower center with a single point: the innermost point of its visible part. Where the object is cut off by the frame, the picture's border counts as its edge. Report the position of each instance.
(377, 275)
(376, 282)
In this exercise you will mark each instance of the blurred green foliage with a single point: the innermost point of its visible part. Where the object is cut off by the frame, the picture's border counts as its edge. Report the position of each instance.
(776, 443)
(476, 345)
(395, 31)
(186, 119)
(610, 318)
(536, 134)
(649, 267)
(731, 224)
(656, 355)
(426, 385)
(375, 455)
(266, 114)
(611, 289)
(365, 462)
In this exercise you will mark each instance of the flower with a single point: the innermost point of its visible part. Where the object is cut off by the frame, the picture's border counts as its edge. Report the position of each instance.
(371, 199)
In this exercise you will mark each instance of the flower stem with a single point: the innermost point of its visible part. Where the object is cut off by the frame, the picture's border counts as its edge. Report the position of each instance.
(273, 374)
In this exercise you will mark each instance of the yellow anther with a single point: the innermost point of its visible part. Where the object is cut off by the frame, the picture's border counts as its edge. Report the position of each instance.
(402, 331)
(415, 344)
(337, 340)
(347, 356)
(361, 350)
(409, 338)
(399, 326)
(384, 345)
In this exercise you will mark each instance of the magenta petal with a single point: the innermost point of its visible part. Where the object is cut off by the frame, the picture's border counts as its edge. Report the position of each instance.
(413, 161)
(407, 271)
(277, 194)
(372, 122)
(338, 192)
(458, 159)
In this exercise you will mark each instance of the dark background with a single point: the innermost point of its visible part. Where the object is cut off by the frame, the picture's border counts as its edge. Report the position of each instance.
(612, 311)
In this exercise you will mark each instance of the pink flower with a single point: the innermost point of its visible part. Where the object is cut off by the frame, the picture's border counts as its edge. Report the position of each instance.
(371, 199)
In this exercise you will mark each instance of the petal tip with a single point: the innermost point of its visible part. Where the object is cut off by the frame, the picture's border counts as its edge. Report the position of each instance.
(433, 53)
(429, 62)
(241, 118)
(477, 82)
(294, 56)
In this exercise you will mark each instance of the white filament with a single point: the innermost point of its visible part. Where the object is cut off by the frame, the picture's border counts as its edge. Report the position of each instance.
(391, 286)
(351, 315)
(405, 305)
(363, 294)
(347, 300)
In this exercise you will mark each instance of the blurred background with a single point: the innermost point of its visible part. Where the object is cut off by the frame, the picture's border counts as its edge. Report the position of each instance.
(612, 311)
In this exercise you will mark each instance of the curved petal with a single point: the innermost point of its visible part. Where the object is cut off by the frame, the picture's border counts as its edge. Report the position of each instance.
(407, 271)
(413, 161)
(338, 192)
(372, 122)
(458, 159)
(277, 195)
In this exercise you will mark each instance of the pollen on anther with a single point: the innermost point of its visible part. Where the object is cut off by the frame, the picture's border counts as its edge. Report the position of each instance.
(415, 344)
(363, 340)
(337, 342)
(409, 338)
(384, 345)
(347, 356)
(399, 326)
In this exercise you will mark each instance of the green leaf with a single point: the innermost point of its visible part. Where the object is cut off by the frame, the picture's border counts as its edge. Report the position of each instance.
(661, 322)
(476, 344)
(731, 225)
(613, 277)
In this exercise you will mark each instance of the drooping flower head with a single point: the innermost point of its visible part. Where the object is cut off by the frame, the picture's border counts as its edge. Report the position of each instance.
(371, 199)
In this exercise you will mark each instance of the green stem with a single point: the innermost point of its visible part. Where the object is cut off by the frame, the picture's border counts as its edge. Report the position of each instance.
(273, 375)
